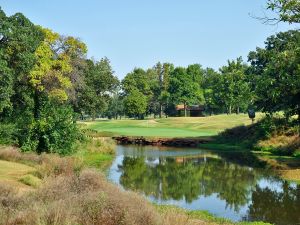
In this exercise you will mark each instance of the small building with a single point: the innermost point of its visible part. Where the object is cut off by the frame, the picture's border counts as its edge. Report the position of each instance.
(191, 111)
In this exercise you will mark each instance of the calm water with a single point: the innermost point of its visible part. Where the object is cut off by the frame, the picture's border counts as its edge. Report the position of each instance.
(228, 185)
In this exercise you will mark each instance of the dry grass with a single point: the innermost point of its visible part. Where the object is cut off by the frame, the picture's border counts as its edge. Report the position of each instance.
(292, 175)
(14, 155)
(43, 165)
(281, 143)
(173, 217)
(86, 199)
(103, 145)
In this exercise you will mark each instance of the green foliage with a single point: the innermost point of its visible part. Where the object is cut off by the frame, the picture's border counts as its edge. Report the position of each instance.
(268, 128)
(184, 88)
(99, 80)
(233, 89)
(30, 180)
(7, 133)
(55, 131)
(277, 73)
(137, 80)
(135, 104)
(42, 74)
(19, 39)
(115, 107)
(287, 10)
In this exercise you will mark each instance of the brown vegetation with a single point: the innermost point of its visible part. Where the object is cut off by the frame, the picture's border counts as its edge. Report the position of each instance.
(84, 199)
(45, 164)
(281, 143)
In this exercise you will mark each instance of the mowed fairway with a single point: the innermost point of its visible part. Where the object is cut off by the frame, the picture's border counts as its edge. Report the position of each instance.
(170, 127)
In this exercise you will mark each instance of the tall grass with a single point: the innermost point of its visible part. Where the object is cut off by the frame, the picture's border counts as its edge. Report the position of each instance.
(86, 199)
(46, 164)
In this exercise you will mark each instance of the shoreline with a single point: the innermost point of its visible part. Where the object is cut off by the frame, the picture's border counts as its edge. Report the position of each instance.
(288, 168)
(162, 141)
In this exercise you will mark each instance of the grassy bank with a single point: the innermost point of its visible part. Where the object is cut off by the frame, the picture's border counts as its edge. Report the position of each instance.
(170, 127)
(175, 215)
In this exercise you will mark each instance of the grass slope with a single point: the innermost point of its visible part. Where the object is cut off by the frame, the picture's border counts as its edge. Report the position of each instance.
(14, 173)
(170, 127)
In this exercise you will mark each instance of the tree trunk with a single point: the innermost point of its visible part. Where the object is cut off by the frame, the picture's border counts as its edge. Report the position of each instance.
(238, 110)
(160, 110)
(299, 117)
(36, 105)
(229, 109)
(185, 113)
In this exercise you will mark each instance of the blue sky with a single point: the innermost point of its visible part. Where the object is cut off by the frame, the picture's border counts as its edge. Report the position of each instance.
(139, 33)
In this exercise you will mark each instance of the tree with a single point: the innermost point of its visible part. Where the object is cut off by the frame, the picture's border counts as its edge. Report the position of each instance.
(277, 73)
(19, 39)
(211, 81)
(99, 83)
(115, 107)
(53, 64)
(286, 10)
(140, 83)
(137, 80)
(234, 89)
(135, 104)
(196, 72)
(35, 67)
(160, 86)
(183, 89)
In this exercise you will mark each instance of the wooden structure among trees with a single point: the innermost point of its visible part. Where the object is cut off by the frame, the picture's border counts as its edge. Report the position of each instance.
(192, 110)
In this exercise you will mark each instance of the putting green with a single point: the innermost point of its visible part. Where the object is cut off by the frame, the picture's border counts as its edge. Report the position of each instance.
(170, 127)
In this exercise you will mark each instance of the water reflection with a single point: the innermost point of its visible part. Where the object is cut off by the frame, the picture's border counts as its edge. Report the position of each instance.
(198, 179)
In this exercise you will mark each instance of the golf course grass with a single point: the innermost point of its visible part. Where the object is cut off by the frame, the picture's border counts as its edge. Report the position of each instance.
(170, 127)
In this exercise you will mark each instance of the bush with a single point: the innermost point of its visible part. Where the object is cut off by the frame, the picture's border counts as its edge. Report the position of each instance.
(86, 199)
(30, 180)
(55, 131)
(7, 133)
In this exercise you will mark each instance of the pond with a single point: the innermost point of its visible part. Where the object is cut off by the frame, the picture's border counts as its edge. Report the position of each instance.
(232, 185)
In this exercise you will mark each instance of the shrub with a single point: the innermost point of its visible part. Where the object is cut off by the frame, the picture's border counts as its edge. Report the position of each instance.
(86, 199)
(30, 180)
(7, 133)
(54, 131)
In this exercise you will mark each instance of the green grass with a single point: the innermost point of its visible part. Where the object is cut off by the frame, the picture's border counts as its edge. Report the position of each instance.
(30, 180)
(203, 216)
(95, 159)
(170, 127)
(224, 147)
(98, 153)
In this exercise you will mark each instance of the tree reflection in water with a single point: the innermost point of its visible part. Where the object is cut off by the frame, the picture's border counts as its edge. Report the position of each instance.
(178, 178)
(276, 207)
(231, 178)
